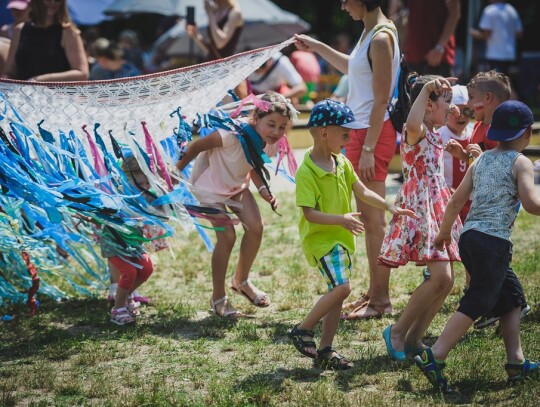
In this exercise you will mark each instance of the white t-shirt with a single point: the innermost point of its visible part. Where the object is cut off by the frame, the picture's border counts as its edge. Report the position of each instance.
(284, 73)
(360, 97)
(504, 23)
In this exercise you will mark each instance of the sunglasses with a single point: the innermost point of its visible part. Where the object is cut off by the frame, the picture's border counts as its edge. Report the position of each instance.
(467, 112)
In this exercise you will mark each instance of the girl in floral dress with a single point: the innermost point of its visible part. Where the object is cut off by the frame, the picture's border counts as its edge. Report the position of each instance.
(424, 191)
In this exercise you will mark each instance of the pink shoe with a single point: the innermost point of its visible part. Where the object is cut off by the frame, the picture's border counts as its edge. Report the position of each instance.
(139, 298)
(121, 316)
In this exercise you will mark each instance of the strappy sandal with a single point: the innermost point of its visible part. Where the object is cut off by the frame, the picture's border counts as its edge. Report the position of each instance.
(121, 316)
(329, 359)
(361, 312)
(350, 306)
(225, 313)
(298, 336)
(258, 300)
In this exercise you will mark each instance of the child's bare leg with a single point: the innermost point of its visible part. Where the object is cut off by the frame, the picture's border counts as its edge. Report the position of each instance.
(421, 298)
(220, 259)
(326, 304)
(328, 309)
(419, 327)
(120, 300)
(251, 219)
(510, 328)
(456, 327)
(330, 325)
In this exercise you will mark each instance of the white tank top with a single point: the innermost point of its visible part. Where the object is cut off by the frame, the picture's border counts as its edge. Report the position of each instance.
(360, 97)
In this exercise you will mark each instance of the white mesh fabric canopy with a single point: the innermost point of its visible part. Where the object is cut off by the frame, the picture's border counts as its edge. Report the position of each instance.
(122, 104)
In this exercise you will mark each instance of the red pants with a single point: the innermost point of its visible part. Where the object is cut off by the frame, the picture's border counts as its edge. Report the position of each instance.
(129, 273)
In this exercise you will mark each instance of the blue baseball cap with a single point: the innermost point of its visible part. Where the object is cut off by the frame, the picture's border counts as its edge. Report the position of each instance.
(510, 120)
(329, 112)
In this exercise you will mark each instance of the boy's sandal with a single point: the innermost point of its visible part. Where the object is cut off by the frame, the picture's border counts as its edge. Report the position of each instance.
(302, 339)
(225, 312)
(329, 359)
(520, 372)
(261, 299)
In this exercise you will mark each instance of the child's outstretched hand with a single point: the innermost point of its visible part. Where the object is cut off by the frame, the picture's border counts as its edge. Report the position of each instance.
(351, 222)
(402, 212)
(441, 240)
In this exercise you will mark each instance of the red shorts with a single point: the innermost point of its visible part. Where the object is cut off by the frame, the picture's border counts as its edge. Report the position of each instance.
(384, 149)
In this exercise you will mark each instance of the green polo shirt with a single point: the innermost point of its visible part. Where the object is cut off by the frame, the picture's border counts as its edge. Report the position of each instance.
(328, 193)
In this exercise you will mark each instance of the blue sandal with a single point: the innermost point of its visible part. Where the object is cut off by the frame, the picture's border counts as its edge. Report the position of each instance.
(520, 372)
(433, 370)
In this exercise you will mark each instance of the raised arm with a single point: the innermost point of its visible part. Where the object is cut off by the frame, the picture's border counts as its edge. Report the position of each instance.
(523, 169)
(208, 142)
(337, 59)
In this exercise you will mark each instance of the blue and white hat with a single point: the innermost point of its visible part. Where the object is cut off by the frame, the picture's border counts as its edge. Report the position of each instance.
(330, 112)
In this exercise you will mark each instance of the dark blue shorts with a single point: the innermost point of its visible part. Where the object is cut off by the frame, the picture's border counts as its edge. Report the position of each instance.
(494, 289)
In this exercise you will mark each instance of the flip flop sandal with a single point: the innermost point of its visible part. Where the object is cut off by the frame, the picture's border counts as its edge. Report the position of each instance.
(257, 301)
(297, 336)
(329, 359)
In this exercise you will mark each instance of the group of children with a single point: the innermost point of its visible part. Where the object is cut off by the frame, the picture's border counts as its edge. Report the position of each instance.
(424, 227)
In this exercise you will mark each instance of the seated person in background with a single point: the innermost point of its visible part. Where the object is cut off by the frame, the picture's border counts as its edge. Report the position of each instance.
(111, 65)
(342, 89)
(306, 64)
(278, 74)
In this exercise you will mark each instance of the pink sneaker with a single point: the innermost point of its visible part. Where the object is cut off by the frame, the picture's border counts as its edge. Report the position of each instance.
(139, 298)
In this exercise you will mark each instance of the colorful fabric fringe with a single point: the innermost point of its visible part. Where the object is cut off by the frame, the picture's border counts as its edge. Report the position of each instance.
(61, 145)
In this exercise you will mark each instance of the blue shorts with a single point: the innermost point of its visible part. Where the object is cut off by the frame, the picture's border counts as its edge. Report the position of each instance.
(336, 266)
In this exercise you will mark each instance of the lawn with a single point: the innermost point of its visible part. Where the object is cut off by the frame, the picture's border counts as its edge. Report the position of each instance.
(178, 354)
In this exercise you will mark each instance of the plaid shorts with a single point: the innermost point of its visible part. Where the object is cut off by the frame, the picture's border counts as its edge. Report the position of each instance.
(336, 266)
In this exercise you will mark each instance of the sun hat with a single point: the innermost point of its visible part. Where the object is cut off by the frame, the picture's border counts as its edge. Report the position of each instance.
(460, 95)
(18, 4)
(510, 120)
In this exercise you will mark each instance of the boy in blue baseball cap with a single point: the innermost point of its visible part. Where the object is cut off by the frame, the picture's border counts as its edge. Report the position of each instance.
(495, 181)
(325, 182)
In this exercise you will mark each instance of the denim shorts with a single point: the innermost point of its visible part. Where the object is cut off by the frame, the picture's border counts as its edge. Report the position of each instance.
(494, 289)
(335, 266)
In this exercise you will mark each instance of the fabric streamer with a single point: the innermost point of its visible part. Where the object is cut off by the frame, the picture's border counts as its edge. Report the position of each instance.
(60, 182)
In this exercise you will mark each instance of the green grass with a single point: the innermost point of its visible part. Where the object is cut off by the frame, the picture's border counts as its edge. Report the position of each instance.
(178, 354)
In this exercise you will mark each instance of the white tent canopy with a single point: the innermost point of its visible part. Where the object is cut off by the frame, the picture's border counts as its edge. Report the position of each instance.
(265, 24)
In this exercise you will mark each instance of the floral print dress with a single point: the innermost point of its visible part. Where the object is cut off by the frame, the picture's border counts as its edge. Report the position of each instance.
(425, 192)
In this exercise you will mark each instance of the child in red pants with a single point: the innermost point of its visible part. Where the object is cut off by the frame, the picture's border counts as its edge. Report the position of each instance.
(127, 257)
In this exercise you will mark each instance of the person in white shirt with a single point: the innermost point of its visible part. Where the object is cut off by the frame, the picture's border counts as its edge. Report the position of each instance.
(500, 26)
(279, 75)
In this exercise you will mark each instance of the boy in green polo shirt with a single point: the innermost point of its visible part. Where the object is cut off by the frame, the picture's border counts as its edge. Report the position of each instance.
(324, 185)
